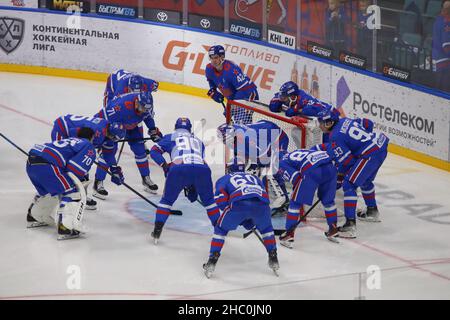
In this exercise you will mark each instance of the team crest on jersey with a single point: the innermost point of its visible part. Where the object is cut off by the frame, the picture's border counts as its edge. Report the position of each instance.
(90, 153)
(11, 33)
(117, 108)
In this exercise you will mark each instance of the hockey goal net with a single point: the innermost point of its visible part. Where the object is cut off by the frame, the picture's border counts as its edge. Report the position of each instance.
(302, 133)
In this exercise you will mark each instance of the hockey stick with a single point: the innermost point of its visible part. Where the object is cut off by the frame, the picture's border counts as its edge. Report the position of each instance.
(302, 218)
(120, 152)
(134, 140)
(175, 212)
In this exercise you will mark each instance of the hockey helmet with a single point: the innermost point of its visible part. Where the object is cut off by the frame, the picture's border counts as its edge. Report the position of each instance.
(145, 100)
(116, 131)
(135, 83)
(328, 115)
(216, 50)
(288, 89)
(234, 165)
(183, 123)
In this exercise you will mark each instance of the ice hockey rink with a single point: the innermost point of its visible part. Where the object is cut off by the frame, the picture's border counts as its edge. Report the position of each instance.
(406, 256)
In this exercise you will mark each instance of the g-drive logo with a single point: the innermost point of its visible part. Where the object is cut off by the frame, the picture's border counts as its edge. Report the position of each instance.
(11, 33)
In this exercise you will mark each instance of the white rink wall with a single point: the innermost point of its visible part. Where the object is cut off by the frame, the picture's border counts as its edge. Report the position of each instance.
(412, 119)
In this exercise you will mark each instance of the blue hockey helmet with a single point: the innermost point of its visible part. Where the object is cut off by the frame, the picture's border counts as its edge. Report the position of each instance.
(216, 50)
(135, 83)
(183, 123)
(288, 89)
(116, 131)
(145, 100)
(328, 115)
(234, 165)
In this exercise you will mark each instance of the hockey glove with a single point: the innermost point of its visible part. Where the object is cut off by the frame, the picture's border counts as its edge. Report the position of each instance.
(291, 112)
(155, 134)
(215, 95)
(191, 193)
(117, 175)
(275, 105)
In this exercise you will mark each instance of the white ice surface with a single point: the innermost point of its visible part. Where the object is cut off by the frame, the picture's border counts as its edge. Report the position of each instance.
(116, 259)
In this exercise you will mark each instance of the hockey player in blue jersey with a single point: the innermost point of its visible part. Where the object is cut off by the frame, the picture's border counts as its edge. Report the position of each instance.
(55, 169)
(131, 110)
(243, 200)
(187, 170)
(121, 82)
(359, 154)
(258, 145)
(226, 79)
(309, 171)
(105, 133)
(296, 102)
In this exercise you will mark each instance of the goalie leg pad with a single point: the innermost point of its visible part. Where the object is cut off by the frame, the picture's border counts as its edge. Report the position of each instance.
(42, 210)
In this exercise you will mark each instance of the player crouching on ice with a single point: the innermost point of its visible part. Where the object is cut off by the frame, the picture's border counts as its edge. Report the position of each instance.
(55, 169)
(308, 171)
(188, 170)
(105, 136)
(243, 201)
(359, 155)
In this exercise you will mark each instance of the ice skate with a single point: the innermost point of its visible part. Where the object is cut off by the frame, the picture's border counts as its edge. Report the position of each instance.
(99, 191)
(287, 239)
(65, 234)
(371, 214)
(332, 233)
(149, 185)
(273, 262)
(348, 230)
(32, 222)
(156, 234)
(210, 266)
(91, 204)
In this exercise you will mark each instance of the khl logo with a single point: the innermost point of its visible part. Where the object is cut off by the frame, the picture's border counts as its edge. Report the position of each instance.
(11, 33)
(162, 16)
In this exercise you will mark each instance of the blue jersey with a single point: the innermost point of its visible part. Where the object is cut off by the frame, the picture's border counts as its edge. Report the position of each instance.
(117, 84)
(231, 82)
(72, 154)
(123, 110)
(441, 42)
(69, 125)
(238, 186)
(262, 139)
(349, 140)
(296, 163)
(305, 105)
(183, 147)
